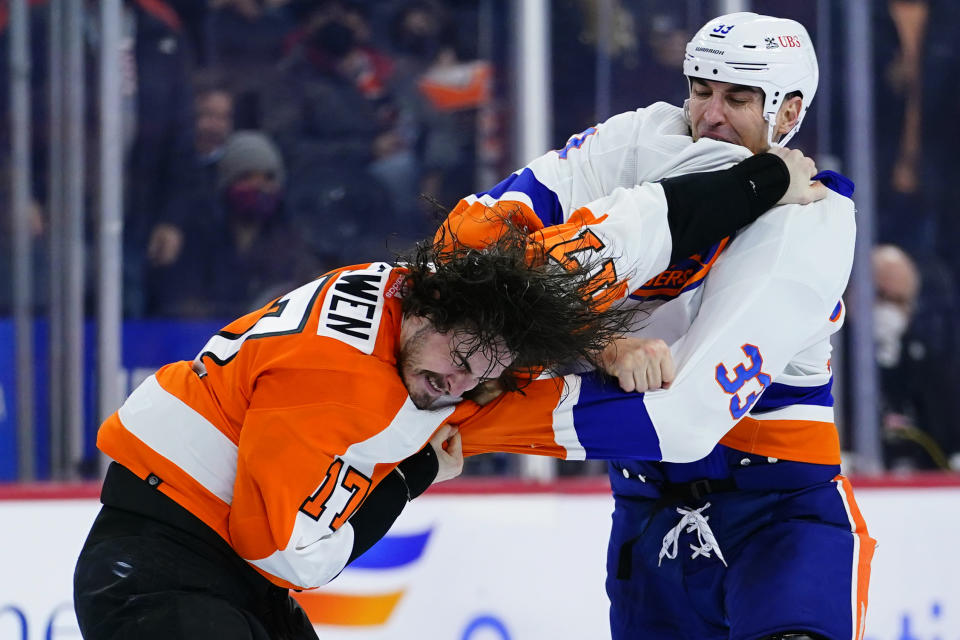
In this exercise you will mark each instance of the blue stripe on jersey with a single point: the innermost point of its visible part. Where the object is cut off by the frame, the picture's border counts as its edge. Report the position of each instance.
(836, 182)
(682, 276)
(836, 311)
(778, 396)
(546, 205)
(612, 423)
(575, 142)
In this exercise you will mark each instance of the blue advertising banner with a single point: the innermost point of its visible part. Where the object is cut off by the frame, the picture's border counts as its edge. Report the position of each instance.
(147, 345)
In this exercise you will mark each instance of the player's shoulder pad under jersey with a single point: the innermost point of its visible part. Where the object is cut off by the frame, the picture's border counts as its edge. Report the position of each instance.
(658, 119)
(818, 244)
(353, 305)
(665, 119)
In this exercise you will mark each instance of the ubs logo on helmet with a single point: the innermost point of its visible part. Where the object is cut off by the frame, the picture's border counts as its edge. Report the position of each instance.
(787, 42)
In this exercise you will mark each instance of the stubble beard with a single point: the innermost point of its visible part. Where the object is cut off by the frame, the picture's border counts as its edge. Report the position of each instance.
(409, 373)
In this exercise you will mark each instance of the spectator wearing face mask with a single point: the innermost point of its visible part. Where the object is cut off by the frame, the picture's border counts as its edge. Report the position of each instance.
(917, 384)
(897, 286)
(246, 250)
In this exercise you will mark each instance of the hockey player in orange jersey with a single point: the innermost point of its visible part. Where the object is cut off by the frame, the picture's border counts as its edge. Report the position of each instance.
(294, 439)
(243, 472)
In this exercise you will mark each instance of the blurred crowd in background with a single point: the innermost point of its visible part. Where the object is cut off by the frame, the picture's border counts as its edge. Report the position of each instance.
(267, 141)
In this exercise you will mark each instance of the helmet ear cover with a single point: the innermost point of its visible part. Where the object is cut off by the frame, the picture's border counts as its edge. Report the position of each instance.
(773, 54)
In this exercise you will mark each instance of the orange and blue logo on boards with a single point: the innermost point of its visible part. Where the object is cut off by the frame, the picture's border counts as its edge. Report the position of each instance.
(681, 276)
(330, 607)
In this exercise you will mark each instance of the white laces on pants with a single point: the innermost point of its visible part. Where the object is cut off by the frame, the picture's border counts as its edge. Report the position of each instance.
(693, 520)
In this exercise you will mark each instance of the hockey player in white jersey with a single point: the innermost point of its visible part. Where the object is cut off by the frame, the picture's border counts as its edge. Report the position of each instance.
(738, 459)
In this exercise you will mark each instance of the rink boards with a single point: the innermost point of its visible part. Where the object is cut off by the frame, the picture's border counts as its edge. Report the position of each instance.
(482, 561)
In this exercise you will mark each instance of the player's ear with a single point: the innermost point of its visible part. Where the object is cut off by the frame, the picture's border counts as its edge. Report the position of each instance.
(789, 114)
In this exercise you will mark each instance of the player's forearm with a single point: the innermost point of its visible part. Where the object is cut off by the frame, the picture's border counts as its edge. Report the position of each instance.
(703, 208)
(643, 229)
(319, 549)
(385, 503)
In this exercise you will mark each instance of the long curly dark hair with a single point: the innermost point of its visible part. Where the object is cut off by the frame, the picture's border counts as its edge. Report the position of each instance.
(508, 293)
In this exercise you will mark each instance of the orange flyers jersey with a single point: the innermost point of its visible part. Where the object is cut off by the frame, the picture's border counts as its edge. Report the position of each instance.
(283, 423)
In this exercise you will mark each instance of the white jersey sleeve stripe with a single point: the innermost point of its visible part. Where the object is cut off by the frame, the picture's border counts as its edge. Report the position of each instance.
(314, 563)
(315, 554)
(509, 196)
(181, 435)
(564, 431)
(806, 412)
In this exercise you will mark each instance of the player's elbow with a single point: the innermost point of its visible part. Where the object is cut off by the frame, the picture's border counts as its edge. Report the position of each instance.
(312, 565)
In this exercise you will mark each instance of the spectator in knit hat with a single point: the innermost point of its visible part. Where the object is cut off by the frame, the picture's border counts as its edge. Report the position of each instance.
(246, 250)
(250, 180)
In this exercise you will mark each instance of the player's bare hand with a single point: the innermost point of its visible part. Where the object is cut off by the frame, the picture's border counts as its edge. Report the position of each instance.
(448, 446)
(639, 364)
(801, 168)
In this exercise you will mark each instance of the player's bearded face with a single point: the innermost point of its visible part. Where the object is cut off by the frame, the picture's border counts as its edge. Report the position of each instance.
(728, 112)
(438, 368)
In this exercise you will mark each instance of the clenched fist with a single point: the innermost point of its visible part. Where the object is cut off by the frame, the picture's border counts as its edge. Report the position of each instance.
(640, 364)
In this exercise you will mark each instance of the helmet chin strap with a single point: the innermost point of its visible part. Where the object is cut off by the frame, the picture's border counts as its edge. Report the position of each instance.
(771, 119)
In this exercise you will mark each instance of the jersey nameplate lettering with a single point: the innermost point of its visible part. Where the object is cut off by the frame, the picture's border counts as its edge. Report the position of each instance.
(353, 306)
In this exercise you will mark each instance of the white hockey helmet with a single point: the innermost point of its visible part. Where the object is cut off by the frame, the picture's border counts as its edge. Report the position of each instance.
(773, 54)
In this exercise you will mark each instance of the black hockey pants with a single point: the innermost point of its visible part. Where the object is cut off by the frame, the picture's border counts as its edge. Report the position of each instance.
(168, 576)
